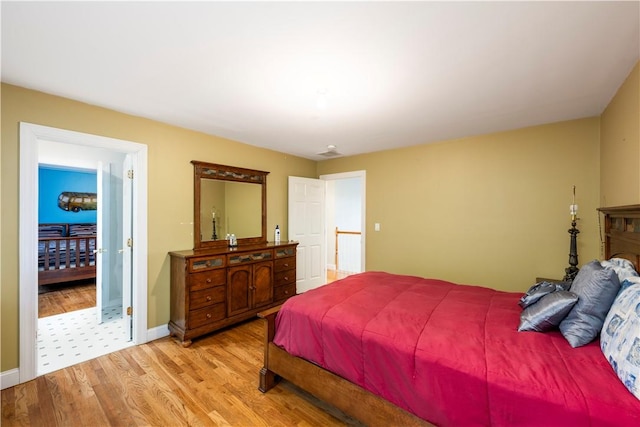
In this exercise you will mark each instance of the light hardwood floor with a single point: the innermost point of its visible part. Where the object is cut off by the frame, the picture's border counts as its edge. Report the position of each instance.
(63, 298)
(213, 382)
(333, 275)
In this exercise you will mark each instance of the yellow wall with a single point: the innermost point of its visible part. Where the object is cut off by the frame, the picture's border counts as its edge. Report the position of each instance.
(620, 145)
(491, 210)
(170, 190)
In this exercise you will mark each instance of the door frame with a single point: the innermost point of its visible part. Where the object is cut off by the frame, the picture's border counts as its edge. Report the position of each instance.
(30, 135)
(362, 174)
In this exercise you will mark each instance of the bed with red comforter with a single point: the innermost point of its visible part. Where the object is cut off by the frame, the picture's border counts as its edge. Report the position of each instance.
(450, 354)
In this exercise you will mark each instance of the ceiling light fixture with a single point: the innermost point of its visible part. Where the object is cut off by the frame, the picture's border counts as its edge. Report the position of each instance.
(332, 151)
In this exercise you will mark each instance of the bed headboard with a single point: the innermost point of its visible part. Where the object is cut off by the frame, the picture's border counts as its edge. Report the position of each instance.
(622, 233)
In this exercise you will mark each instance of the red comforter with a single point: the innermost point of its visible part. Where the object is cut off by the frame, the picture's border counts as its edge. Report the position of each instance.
(451, 354)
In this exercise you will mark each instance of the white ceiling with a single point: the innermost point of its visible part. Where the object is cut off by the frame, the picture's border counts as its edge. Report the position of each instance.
(395, 74)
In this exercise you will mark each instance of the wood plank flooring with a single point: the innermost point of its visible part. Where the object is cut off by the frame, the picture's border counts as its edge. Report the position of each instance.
(333, 275)
(63, 298)
(212, 383)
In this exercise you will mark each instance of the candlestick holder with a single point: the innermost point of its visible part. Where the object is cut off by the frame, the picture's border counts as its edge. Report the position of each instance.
(572, 270)
(214, 235)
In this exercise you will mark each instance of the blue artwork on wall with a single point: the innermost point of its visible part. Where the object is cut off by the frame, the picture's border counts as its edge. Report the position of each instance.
(56, 183)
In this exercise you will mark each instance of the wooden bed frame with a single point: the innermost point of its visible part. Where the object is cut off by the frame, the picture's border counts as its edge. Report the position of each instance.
(326, 386)
(621, 239)
(61, 269)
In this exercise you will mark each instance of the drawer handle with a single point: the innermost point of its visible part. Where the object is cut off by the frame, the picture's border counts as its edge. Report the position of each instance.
(208, 263)
(209, 280)
(208, 298)
(286, 278)
(286, 292)
(286, 265)
(208, 315)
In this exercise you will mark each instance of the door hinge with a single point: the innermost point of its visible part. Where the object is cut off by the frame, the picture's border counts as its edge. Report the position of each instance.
(130, 242)
(130, 173)
(129, 311)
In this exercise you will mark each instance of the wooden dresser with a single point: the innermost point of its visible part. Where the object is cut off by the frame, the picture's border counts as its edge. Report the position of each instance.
(217, 287)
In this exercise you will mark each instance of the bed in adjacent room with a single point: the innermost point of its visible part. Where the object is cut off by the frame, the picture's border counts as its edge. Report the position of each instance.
(393, 349)
(66, 252)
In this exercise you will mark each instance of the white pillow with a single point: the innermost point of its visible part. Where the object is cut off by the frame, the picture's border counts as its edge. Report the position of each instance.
(620, 338)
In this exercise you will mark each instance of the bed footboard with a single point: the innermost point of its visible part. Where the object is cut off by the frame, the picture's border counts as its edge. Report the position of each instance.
(326, 386)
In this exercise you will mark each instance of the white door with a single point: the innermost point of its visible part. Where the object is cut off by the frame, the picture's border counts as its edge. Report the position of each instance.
(101, 251)
(113, 253)
(127, 245)
(307, 226)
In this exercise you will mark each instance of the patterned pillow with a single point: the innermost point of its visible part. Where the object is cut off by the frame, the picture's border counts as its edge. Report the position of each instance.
(620, 338)
(629, 281)
(623, 268)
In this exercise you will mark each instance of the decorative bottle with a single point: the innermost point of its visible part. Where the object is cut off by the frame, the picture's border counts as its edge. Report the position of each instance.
(277, 234)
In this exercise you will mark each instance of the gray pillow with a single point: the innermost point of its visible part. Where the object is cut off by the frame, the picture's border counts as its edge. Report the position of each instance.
(539, 290)
(596, 288)
(548, 312)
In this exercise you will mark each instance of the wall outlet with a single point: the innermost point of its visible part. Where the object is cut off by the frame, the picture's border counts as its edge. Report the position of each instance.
(376, 226)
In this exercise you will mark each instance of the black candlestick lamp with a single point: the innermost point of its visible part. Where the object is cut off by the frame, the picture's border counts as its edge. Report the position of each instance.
(572, 270)
(214, 234)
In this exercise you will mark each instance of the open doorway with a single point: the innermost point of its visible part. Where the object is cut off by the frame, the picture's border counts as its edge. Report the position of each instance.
(80, 314)
(312, 222)
(98, 153)
(345, 224)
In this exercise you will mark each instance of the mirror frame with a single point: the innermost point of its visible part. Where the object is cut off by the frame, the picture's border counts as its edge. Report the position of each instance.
(204, 170)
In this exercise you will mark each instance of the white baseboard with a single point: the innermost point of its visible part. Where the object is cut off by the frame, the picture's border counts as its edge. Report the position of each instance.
(11, 377)
(157, 332)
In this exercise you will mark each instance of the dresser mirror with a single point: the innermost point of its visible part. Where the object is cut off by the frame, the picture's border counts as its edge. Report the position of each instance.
(228, 200)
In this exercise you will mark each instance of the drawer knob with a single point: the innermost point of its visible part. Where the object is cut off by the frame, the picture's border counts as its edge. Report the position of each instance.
(208, 263)
(286, 265)
(208, 298)
(286, 292)
(286, 278)
(208, 315)
(209, 280)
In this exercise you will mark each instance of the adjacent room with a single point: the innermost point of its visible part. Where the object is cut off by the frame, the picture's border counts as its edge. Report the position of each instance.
(320, 213)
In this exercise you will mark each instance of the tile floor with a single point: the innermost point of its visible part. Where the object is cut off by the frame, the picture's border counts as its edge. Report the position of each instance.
(70, 338)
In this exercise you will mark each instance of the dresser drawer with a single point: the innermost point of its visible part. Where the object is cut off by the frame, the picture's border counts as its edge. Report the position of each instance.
(207, 279)
(284, 277)
(207, 297)
(247, 257)
(285, 252)
(206, 315)
(206, 263)
(284, 292)
(284, 264)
